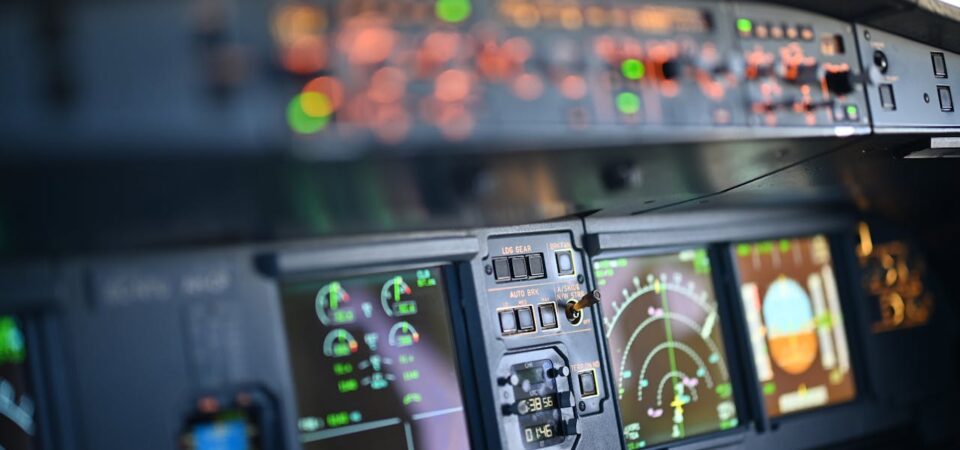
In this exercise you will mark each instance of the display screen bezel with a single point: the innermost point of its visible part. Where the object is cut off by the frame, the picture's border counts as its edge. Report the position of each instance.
(728, 332)
(842, 273)
(455, 320)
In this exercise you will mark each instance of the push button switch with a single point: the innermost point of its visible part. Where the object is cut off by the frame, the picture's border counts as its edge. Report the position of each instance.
(518, 265)
(548, 316)
(508, 322)
(525, 319)
(535, 263)
(886, 97)
(939, 65)
(565, 263)
(946, 99)
(501, 269)
(588, 383)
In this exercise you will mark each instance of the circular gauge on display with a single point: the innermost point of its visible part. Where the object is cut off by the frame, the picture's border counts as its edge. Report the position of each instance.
(402, 334)
(395, 298)
(333, 305)
(666, 346)
(339, 343)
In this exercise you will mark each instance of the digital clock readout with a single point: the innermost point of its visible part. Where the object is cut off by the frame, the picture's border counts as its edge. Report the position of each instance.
(537, 404)
(539, 433)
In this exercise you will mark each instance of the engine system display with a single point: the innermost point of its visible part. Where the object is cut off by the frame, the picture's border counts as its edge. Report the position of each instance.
(17, 428)
(666, 345)
(792, 306)
(373, 362)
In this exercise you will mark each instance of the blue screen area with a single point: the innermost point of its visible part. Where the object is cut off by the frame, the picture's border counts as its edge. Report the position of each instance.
(221, 435)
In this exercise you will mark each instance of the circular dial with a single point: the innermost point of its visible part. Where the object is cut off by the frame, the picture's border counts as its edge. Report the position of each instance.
(395, 298)
(333, 305)
(402, 334)
(339, 343)
(667, 350)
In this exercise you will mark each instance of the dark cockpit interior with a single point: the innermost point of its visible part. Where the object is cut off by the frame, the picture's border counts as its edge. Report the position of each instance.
(479, 224)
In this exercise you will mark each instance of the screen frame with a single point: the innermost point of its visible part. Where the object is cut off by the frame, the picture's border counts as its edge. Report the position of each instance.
(843, 272)
(730, 343)
(456, 320)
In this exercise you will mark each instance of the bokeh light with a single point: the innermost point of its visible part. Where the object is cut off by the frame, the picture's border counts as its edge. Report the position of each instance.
(633, 69)
(628, 103)
(453, 11)
(300, 120)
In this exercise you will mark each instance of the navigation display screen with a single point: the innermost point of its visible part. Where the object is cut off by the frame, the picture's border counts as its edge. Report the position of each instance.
(666, 345)
(792, 306)
(17, 427)
(373, 362)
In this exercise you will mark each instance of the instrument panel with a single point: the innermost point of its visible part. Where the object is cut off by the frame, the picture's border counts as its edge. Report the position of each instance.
(561, 335)
(332, 80)
(669, 329)
(617, 70)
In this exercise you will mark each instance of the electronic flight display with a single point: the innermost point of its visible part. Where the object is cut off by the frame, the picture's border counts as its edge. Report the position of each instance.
(17, 427)
(666, 345)
(793, 312)
(373, 361)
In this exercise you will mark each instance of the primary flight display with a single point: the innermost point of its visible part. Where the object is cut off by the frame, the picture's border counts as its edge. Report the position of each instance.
(792, 307)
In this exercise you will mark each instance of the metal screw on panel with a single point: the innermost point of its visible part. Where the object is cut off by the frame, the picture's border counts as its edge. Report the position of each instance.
(866, 34)
(926, 97)
(582, 406)
(580, 278)
(488, 269)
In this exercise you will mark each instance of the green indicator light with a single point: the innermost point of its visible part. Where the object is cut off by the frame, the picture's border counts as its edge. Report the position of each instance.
(300, 121)
(744, 25)
(406, 308)
(348, 385)
(784, 245)
(633, 69)
(743, 249)
(724, 390)
(411, 375)
(11, 341)
(728, 424)
(628, 103)
(769, 388)
(765, 247)
(413, 397)
(852, 111)
(453, 11)
(338, 419)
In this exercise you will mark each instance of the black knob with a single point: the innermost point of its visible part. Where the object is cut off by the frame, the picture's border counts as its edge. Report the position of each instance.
(512, 380)
(561, 371)
(671, 69)
(507, 409)
(839, 82)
